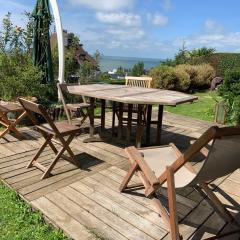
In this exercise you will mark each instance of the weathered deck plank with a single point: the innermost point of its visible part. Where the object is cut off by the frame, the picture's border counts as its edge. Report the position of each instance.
(86, 202)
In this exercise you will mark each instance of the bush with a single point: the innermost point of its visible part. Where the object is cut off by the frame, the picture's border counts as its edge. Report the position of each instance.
(170, 78)
(182, 77)
(230, 91)
(18, 77)
(204, 76)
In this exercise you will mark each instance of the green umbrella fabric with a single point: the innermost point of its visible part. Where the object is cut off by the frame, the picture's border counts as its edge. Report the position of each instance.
(42, 56)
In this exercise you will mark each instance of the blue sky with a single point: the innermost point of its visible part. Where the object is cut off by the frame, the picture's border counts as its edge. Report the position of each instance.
(145, 28)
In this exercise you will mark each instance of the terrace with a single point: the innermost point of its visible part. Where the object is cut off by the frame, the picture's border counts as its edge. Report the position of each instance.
(86, 203)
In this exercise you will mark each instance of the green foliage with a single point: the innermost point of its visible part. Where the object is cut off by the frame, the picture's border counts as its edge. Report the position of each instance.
(224, 61)
(71, 63)
(18, 222)
(193, 57)
(138, 69)
(86, 72)
(114, 81)
(18, 76)
(230, 92)
(182, 77)
(120, 71)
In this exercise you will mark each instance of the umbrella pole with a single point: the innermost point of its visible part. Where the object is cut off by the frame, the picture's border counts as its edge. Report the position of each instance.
(59, 30)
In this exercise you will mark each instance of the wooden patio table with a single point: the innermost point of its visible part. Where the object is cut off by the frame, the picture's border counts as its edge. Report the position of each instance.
(132, 96)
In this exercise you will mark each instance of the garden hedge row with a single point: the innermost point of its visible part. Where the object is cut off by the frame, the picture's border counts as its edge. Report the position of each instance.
(224, 61)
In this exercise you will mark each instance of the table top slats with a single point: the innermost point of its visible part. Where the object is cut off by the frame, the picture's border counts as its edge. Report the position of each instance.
(132, 95)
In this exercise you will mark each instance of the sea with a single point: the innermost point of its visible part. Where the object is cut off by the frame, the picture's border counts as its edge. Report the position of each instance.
(108, 63)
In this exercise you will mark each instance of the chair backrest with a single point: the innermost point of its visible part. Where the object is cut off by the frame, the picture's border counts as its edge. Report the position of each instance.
(31, 107)
(63, 88)
(138, 81)
(223, 157)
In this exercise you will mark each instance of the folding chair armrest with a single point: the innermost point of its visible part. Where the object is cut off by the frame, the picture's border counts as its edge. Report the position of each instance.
(135, 156)
(204, 151)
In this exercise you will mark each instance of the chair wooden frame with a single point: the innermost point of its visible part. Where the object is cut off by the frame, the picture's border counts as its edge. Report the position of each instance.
(152, 183)
(70, 108)
(145, 82)
(141, 111)
(11, 125)
(50, 131)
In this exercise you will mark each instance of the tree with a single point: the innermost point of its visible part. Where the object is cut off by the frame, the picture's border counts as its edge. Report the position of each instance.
(138, 69)
(183, 55)
(18, 76)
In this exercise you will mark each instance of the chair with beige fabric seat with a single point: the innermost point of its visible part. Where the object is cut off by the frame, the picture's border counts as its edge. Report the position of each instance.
(167, 167)
(63, 132)
(73, 108)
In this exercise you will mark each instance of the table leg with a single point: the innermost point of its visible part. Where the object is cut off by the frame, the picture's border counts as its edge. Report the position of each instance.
(129, 123)
(103, 108)
(91, 127)
(148, 124)
(159, 124)
(113, 118)
(120, 121)
(139, 126)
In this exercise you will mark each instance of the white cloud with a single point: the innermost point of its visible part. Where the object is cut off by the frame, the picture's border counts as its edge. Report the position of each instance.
(158, 19)
(105, 5)
(126, 34)
(167, 5)
(213, 26)
(215, 40)
(120, 18)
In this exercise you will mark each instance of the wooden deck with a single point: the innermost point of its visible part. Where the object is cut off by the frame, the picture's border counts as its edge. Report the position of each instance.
(85, 202)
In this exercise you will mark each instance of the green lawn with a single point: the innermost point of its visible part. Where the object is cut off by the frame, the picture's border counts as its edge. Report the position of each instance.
(203, 108)
(18, 222)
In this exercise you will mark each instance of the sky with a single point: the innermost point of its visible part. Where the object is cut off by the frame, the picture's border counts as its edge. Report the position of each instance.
(144, 28)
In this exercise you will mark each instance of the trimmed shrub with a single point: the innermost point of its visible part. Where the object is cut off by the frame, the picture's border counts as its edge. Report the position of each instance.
(182, 77)
(170, 78)
(200, 75)
(205, 74)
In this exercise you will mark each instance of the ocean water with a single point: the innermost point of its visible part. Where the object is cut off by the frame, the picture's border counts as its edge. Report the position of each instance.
(108, 63)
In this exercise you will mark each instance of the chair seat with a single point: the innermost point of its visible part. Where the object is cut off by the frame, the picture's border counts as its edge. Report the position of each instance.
(76, 106)
(160, 157)
(64, 128)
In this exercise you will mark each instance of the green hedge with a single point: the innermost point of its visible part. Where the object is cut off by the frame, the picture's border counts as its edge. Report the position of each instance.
(182, 77)
(230, 92)
(224, 61)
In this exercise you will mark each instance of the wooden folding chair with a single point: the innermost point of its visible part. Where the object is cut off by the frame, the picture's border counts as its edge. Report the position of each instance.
(132, 81)
(73, 108)
(10, 124)
(145, 82)
(167, 167)
(49, 131)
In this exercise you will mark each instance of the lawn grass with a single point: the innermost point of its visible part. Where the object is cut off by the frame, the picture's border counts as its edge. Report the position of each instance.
(18, 222)
(203, 108)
